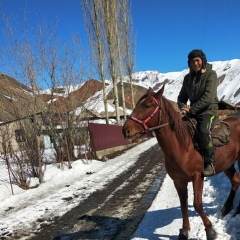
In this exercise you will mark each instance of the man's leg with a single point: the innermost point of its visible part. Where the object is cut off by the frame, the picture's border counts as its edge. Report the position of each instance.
(209, 162)
(203, 128)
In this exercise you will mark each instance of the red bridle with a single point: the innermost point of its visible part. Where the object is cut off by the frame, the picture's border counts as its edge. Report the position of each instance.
(143, 122)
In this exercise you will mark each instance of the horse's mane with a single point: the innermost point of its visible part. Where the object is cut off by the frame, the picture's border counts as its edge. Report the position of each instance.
(176, 123)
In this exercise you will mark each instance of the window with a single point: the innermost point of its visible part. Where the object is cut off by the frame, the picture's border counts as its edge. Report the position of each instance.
(20, 135)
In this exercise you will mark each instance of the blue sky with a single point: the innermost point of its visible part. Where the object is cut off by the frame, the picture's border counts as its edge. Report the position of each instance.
(166, 30)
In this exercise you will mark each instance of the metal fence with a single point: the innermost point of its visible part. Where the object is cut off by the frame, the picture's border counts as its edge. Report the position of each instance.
(105, 136)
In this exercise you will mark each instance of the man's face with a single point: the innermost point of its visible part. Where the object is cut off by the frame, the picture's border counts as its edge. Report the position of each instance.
(196, 64)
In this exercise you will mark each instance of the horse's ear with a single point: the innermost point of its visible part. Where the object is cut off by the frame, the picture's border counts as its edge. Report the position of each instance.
(160, 92)
(150, 91)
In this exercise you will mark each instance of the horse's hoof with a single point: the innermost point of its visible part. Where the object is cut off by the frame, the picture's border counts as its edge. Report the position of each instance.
(226, 209)
(183, 234)
(211, 233)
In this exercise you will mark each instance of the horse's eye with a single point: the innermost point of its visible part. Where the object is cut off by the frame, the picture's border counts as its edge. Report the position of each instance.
(146, 106)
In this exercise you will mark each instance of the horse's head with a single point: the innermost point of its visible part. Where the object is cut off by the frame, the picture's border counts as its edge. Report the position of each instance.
(144, 116)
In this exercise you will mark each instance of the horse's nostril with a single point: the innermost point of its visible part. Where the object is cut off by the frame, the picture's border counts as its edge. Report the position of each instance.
(126, 133)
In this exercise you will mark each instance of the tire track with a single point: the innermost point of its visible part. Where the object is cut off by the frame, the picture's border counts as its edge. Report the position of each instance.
(115, 211)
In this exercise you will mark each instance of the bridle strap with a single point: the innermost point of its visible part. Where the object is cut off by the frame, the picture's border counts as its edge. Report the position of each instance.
(143, 123)
(157, 127)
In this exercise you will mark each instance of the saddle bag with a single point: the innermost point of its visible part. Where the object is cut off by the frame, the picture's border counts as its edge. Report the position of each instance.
(220, 133)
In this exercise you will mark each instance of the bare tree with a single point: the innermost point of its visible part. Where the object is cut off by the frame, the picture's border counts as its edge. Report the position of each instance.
(120, 53)
(128, 42)
(64, 72)
(6, 145)
(108, 25)
(43, 60)
(100, 19)
(110, 18)
(95, 28)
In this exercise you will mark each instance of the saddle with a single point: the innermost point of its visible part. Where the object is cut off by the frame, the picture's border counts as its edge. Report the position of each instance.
(220, 132)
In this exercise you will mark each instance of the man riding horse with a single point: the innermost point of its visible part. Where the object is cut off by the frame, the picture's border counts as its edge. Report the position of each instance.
(183, 161)
(200, 88)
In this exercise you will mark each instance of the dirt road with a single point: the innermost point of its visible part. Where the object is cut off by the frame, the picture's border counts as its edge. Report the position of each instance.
(115, 211)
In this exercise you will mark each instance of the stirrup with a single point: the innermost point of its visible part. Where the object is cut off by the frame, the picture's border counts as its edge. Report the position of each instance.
(213, 170)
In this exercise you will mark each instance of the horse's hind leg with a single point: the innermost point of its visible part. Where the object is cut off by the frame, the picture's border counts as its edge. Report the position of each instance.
(234, 178)
(238, 208)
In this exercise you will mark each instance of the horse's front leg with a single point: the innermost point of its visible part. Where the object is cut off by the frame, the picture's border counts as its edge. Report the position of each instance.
(198, 206)
(183, 197)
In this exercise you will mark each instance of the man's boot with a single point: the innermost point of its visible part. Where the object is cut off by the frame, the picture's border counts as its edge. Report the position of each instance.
(209, 162)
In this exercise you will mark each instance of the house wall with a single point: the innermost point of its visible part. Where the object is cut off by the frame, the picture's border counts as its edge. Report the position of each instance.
(7, 131)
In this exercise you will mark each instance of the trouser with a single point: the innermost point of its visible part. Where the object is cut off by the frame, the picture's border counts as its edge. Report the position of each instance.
(204, 125)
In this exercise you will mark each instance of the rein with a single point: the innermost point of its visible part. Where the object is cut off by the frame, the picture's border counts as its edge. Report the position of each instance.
(143, 122)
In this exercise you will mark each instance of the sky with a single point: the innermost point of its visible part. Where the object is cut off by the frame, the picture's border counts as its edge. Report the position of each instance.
(19, 212)
(166, 30)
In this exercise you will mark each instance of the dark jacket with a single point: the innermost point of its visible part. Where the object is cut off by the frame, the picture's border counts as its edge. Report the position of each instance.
(201, 90)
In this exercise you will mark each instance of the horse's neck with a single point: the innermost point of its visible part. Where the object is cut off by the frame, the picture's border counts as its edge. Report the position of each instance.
(169, 143)
(173, 137)
(172, 151)
(165, 139)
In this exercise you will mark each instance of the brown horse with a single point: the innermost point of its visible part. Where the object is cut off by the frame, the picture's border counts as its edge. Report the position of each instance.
(183, 162)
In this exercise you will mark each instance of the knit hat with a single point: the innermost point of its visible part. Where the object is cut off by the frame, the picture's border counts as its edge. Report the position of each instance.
(197, 53)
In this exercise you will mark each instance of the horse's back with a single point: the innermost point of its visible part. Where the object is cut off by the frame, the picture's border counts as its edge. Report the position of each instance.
(231, 119)
(234, 124)
(224, 154)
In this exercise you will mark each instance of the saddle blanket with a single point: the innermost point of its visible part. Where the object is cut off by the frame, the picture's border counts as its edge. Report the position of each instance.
(220, 132)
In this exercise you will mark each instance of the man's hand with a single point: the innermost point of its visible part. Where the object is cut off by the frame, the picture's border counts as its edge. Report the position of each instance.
(184, 110)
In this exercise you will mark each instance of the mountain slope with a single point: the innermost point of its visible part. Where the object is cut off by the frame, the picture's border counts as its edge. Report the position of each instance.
(228, 73)
(13, 97)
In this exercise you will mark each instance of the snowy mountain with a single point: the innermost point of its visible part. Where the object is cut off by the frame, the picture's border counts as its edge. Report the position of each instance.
(90, 92)
(228, 73)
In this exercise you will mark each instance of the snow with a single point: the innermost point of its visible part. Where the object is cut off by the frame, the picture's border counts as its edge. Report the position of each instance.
(162, 221)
